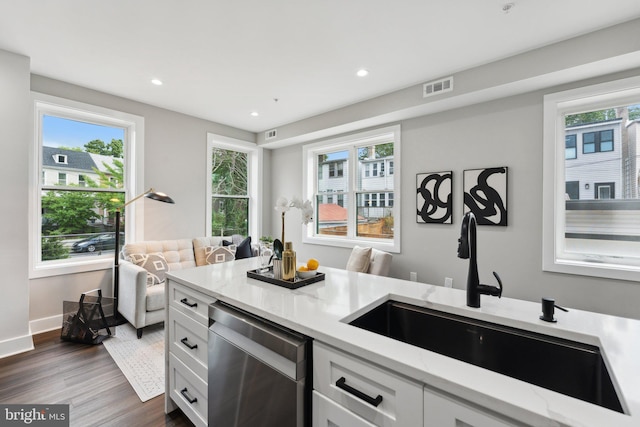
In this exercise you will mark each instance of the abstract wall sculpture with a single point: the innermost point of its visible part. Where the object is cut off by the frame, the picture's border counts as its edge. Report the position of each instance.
(485, 194)
(433, 200)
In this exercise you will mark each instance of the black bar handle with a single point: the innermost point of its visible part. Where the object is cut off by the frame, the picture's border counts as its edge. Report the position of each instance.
(341, 383)
(186, 302)
(185, 341)
(186, 396)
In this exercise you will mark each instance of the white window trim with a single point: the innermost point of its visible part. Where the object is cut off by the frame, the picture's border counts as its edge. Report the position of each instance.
(255, 166)
(310, 173)
(553, 211)
(134, 158)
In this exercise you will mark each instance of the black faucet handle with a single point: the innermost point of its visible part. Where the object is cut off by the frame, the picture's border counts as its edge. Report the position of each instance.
(499, 283)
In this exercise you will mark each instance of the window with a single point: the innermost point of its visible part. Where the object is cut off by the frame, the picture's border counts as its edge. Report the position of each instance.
(570, 150)
(232, 190)
(605, 190)
(591, 203)
(364, 212)
(336, 170)
(597, 142)
(80, 183)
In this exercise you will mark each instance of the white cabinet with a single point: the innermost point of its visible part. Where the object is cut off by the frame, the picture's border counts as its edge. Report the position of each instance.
(364, 390)
(327, 413)
(444, 411)
(186, 340)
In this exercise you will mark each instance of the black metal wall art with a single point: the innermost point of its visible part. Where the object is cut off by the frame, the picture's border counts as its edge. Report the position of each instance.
(485, 194)
(433, 199)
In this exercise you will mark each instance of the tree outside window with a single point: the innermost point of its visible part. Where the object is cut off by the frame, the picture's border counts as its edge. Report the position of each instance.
(229, 192)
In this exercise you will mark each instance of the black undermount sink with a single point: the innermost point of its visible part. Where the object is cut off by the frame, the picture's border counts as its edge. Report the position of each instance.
(568, 367)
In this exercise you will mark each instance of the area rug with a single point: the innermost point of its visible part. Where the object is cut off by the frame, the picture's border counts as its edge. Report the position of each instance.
(140, 360)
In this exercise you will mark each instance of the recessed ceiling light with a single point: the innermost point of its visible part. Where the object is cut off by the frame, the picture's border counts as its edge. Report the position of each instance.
(157, 82)
(362, 73)
(254, 114)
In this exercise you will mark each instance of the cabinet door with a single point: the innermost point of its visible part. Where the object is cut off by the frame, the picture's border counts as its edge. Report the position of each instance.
(444, 411)
(327, 413)
(375, 394)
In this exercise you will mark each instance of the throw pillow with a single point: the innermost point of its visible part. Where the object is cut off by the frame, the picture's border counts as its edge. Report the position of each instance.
(155, 264)
(217, 254)
(244, 249)
(359, 259)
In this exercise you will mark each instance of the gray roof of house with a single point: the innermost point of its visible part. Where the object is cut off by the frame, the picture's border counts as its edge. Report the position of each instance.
(75, 159)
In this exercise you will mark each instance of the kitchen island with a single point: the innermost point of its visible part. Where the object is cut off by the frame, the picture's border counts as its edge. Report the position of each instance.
(322, 311)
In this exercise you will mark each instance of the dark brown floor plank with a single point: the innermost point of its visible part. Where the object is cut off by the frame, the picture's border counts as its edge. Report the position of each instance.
(84, 377)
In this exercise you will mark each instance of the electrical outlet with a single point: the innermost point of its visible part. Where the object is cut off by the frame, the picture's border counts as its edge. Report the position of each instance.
(448, 282)
(413, 276)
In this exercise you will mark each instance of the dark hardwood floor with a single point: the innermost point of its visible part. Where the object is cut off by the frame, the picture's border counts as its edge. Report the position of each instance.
(86, 378)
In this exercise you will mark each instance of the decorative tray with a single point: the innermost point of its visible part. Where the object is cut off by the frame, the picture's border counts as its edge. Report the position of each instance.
(266, 275)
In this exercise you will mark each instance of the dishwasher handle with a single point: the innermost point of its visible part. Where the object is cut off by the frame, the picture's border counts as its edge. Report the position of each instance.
(342, 384)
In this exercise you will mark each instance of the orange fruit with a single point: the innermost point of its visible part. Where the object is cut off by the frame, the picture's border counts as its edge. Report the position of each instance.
(303, 268)
(313, 264)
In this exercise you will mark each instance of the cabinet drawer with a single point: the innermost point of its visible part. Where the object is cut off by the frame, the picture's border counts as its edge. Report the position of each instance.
(445, 411)
(188, 391)
(335, 371)
(190, 302)
(188, 342)
(327, 413)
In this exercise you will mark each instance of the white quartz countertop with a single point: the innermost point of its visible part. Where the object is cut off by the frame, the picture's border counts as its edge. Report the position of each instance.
(321, 310)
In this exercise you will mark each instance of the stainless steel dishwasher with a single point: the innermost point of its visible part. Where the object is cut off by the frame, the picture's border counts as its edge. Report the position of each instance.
(259, 373)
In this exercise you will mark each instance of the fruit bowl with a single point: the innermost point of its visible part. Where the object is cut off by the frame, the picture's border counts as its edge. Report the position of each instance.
(306, 274)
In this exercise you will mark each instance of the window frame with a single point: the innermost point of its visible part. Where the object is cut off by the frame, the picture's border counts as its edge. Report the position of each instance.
(555, 106)
(351, 142)
(255, 166)
(133, 169)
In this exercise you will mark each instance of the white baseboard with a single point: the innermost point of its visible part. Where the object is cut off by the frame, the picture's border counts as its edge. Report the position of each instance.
(45, 324)
(16, 345)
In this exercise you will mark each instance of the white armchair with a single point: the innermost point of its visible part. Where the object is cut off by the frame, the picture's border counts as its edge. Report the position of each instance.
(143, 305)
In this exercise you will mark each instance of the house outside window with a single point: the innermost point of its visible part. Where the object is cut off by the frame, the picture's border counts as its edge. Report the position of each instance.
(359, 215)
(79, 186)
(591, 202)
(232, 190)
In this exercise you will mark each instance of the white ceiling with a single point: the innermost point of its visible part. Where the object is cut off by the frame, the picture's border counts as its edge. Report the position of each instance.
(222, 59)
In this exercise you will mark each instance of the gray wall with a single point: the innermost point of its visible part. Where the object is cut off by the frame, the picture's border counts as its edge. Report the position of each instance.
(505, 132)
(14, 138)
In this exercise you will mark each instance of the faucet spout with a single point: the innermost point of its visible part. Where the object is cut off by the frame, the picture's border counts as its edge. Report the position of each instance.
(467, 250)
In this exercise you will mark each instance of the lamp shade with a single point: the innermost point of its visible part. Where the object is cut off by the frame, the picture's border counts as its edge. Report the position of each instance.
(156, 195)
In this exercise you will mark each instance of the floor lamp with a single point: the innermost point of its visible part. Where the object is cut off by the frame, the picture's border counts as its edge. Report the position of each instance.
(150, 194)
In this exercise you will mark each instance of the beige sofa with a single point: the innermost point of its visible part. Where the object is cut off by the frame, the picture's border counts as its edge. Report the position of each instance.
(141, 296)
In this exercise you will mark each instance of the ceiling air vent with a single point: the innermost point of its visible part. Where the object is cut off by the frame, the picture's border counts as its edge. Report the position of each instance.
(270, 134)
(436, 87)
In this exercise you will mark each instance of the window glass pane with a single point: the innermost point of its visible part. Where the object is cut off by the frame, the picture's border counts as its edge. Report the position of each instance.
(79, 223)
(602, 192)
(229, 216)
(331, 217)
(229, 172)
(373, 220)
(79, 154)
(570, 147)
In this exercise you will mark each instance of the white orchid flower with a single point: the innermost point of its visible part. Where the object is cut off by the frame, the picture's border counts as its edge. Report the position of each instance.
(296, 202)
(282, 205)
